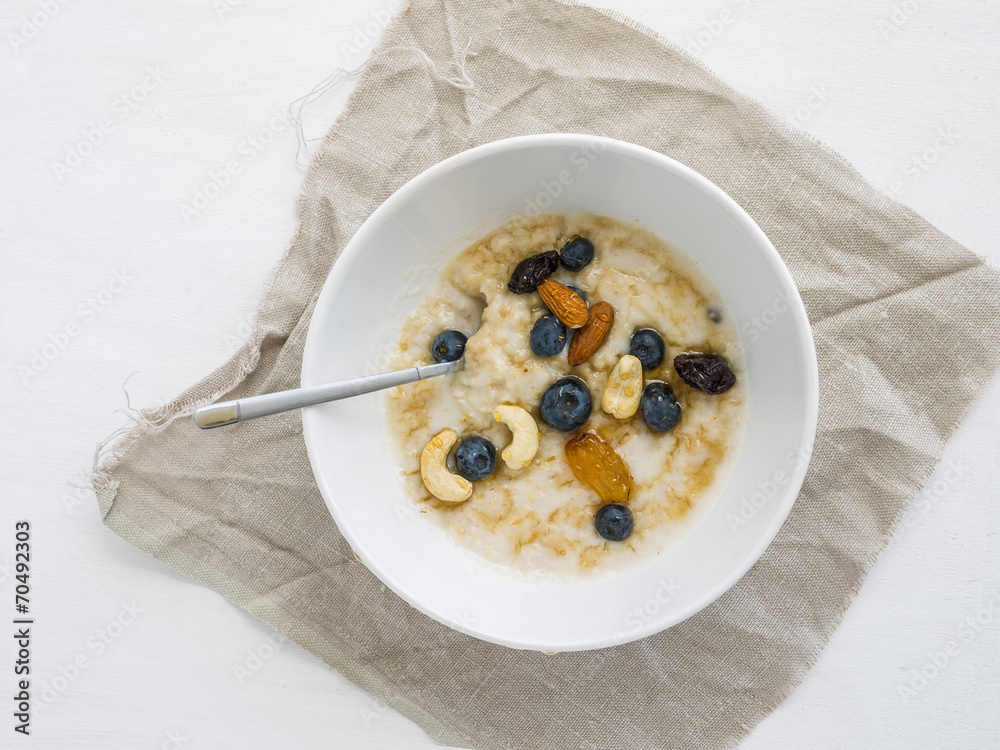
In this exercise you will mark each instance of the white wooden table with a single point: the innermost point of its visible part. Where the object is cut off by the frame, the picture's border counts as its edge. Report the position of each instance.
(114, 115)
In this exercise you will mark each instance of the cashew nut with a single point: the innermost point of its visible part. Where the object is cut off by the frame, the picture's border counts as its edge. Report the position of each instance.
(440, 482)
(624, 388)
(524, 445)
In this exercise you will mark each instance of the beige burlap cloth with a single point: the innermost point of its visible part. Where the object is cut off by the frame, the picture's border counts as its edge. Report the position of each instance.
(907, 327)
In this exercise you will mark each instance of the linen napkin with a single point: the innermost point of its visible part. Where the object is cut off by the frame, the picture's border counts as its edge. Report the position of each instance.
(907, 327)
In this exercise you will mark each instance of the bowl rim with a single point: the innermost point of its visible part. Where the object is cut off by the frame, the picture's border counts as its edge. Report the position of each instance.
(770, 254)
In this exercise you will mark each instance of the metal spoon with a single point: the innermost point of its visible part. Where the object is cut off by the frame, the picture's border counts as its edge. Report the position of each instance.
(242, 409)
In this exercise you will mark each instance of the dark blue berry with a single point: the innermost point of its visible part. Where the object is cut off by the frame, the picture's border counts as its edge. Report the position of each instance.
(576, 253)
(577, 290)
(566, 404)
(548, 336)
(659, 407)
(647, 346)
(614, 522)
(475, 458)
(449, 346)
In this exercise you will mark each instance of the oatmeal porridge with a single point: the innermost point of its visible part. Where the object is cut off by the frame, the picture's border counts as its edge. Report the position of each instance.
(600, 405)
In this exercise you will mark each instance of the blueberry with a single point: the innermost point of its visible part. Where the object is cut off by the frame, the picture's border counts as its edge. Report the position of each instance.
(475, 458)
(548, 336)
(614, 522)
(566, 404)
(647, 346)
(449, 346)
(659, 407)
(576, 253)
(577, 290)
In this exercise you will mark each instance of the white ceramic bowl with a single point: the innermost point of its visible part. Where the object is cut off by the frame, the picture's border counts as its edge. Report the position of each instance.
(377, 282)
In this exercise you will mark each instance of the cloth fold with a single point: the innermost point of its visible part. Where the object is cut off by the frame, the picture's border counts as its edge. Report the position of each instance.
(907, 328)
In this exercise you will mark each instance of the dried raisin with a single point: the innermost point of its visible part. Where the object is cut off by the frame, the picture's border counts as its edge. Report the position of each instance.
(706, 372)
(598, 465)
(532, 271)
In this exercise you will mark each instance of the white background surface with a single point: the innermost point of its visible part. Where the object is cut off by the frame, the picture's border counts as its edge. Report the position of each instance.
(889, 80)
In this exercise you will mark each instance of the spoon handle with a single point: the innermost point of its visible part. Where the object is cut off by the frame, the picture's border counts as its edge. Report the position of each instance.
(242, 409)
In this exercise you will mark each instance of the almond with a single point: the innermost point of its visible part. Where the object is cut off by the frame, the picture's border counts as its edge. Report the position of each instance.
(565, 304)
(588, 339)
